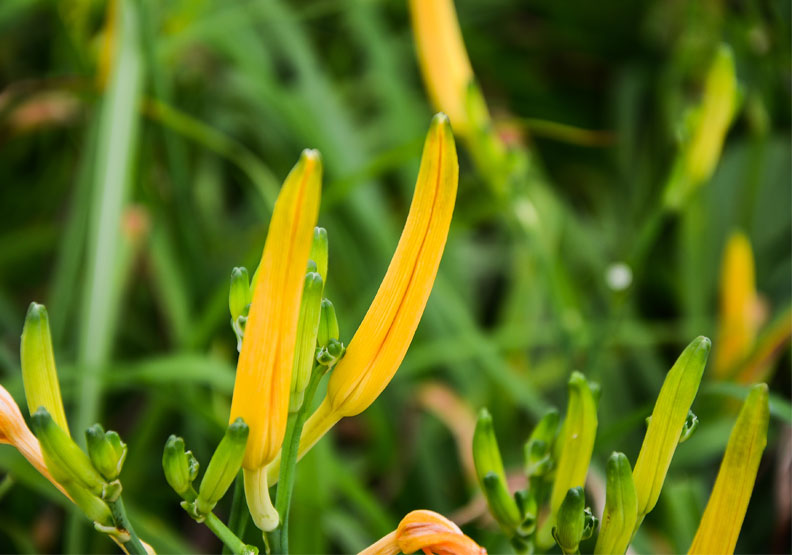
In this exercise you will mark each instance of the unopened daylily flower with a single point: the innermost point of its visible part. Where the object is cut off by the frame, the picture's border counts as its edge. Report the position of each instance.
(722, 520)
(425, 531)
(380, 343)
(444, 61)
(263, 379)
(740, 308)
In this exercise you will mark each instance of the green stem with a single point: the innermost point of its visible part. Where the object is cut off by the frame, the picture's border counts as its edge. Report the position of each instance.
(239, 518)
(224, 533)
(134, 546)
(288, 467)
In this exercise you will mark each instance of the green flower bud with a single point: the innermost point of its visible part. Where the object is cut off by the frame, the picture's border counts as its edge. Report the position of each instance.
(223, 467)
(92, 506)
(39, 375)
(328, 324)
(180, 467)
(330, 354)
(319, 251)
(570, 521)
(106, 450)
(621, 507)
(539, 447)
(667, 423)
(529, 509)
(690, 426)
(307, 330)
(65, 460)
(239, 293)
(492, 477)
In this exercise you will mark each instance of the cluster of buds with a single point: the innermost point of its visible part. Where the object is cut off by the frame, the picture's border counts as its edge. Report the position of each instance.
(557, 461)
(89, 479)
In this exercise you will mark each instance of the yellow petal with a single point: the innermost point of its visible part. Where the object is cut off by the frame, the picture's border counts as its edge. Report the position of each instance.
(443, 59)
(738, 321)
(261, 390)
(425, 531)
(14, 431)
(380, 343)
(723, 517)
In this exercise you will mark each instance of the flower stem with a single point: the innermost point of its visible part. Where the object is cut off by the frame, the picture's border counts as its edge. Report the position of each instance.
(239, 517)
(224, 533)
(291, 443)
(134, 546)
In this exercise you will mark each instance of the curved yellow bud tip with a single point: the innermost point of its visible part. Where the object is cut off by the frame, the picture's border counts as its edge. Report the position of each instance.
(739, 305)
(380, 343)
(425, 531)
(261, 390)
(725, 512)
(442, 57)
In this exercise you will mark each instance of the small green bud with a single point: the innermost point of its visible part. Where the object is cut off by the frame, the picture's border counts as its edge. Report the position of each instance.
(319, 251)
(307, 330)
(492, 477)
(65, 460)
(330, 354)
(690, 426)
(239, 293)
(570, 521)
(91, 505)
(106, 450)
(39, 374)
(621, 507)
(328, 324)
(529, 509)
(180, 467)
(223, 466)
(539, 447)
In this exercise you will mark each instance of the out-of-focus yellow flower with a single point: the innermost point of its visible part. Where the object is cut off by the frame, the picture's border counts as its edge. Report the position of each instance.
(667, 421)
(723, 517)
(380, 343)
(14, 431)
(443, 59)
(264, 369)
(769, 346)
(740, 309)
(706, 128)
(425, 531)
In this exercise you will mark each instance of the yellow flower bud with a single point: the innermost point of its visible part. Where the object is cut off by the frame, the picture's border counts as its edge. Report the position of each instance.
(725, 512)
(39, 374)
(263, 379)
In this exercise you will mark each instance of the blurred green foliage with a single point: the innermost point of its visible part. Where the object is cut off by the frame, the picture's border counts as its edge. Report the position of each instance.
(134, 209)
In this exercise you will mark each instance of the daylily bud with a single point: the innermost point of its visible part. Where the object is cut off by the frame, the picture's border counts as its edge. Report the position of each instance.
(65, 460)
(266, 360)
(539, 447)
(91, 505)
(39, 374)
(723, 518)
(621, 507)
(239, 293)
(223, 466)
(573, 449)
(106, 450)
(307, 330)
(690, 426)
(570, 521)
(666, 425)
(492, 477)
(328, 324)
(180, 467)
(319, 249)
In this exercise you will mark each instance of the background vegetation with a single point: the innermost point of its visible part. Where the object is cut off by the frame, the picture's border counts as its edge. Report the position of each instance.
(126, 201)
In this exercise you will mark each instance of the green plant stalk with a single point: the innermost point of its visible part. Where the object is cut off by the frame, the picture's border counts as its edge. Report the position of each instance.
(224, 533)
(291, 443)
(239, 517)
(134, 546)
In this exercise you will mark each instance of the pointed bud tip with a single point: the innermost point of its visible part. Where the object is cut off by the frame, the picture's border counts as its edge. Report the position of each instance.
(313, 281)
(311, 155)
(36, 312)
(484, 415)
